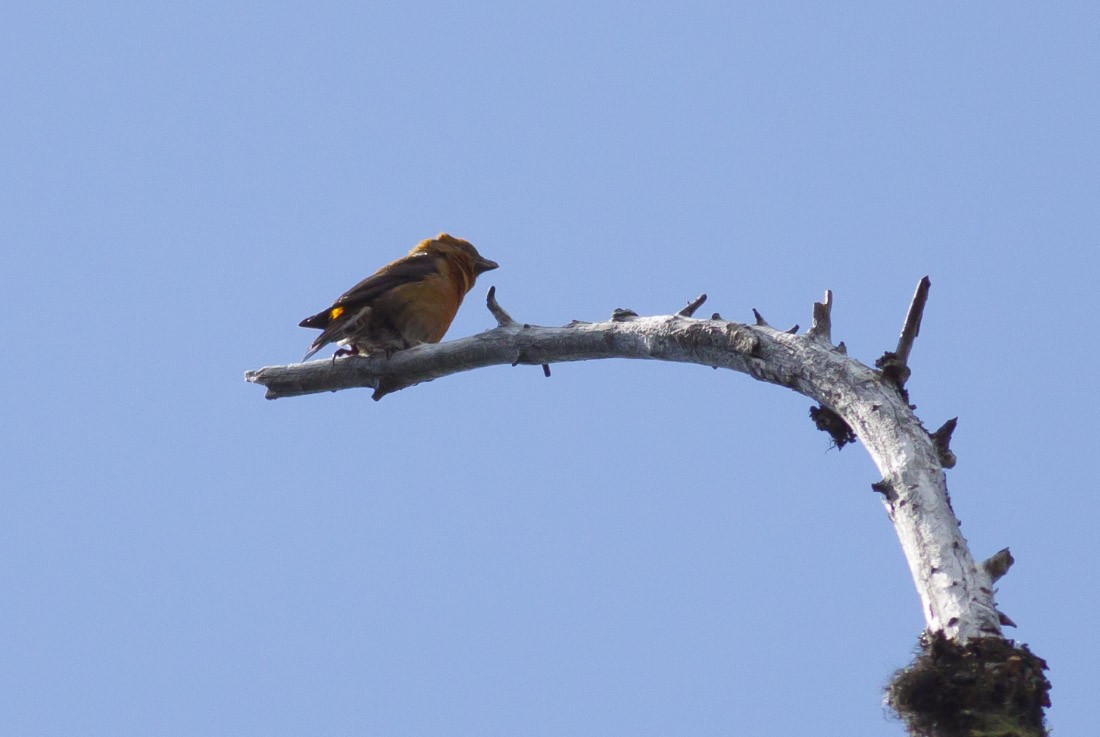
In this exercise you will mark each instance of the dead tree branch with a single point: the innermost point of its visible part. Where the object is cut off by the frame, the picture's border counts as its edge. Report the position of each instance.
(895, 364)
(956, 592)
(855, 401)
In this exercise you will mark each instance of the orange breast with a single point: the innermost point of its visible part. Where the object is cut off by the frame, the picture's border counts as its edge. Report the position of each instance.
(424, 310)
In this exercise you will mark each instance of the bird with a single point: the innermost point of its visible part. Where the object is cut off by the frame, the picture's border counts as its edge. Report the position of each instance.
(407, 302)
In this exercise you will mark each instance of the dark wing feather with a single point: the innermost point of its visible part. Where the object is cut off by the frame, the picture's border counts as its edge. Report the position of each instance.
(403, 271)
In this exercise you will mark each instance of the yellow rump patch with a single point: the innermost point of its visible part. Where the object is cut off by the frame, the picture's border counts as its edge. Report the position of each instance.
(335, 312)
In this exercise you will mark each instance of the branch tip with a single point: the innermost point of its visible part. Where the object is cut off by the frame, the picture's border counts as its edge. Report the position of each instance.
(504, 320)
(386, 385)
(524, 357)
(692, 306)
(941, 439)
(911, 329)
(822, 326)
(998, 564)
(760, 319)
(883, 487)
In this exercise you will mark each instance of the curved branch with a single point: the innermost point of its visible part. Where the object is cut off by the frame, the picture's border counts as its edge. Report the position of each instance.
(956, 593)
(964, 654)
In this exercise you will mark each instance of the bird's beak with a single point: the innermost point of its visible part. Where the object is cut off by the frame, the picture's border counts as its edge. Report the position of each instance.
(483, 264)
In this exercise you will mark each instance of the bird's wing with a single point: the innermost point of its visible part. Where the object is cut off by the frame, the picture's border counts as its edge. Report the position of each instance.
(403, 271)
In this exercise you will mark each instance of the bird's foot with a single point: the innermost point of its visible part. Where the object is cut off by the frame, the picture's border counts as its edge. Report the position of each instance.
(352, 350)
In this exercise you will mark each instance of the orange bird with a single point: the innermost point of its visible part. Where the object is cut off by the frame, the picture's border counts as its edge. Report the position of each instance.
(407, 302)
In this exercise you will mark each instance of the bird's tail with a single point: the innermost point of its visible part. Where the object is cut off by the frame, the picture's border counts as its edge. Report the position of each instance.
(335, 324)
(320, 321)
(323, 322)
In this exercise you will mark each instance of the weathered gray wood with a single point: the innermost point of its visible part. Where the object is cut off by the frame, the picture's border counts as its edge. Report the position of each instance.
(956, 593)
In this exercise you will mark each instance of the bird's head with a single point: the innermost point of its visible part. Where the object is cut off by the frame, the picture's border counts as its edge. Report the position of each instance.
(451, 247)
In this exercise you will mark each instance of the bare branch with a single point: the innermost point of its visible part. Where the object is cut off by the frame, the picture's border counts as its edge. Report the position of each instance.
(822, 326)
(942, 440)
(911, 329)
(692, 306)
(998, 564)
(628, 336)
(963, 636)
(504, 320)
(956, 593)
(895, 364)
(883, 487)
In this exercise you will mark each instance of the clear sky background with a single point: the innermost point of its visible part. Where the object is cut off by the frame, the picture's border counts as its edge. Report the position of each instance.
(626, 548)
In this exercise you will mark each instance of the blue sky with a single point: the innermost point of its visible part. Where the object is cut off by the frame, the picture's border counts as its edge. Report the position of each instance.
(624, 548)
